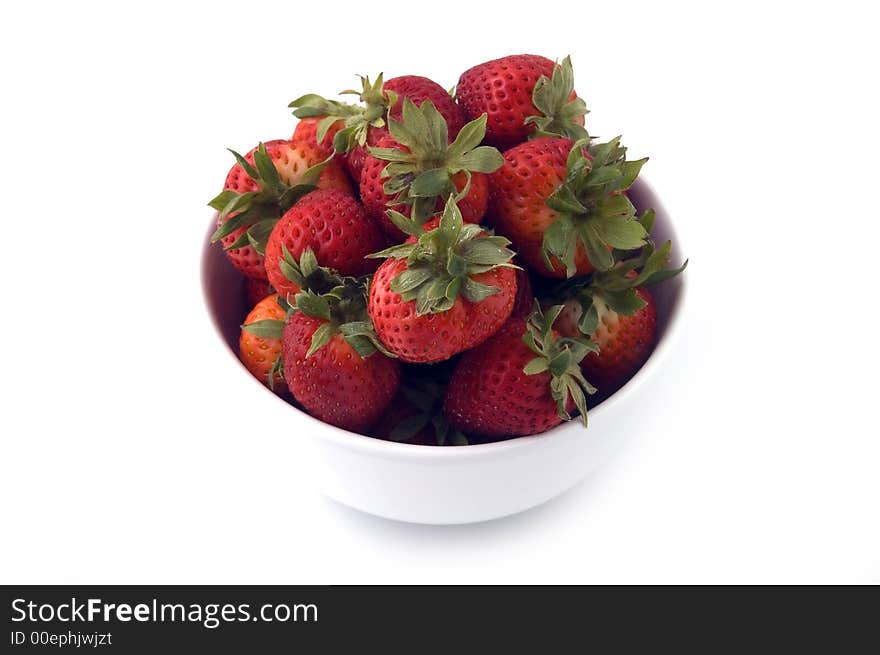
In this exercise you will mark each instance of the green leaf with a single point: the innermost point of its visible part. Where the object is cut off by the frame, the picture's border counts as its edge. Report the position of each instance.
(625, 302)
(484, 159)
(537, 365)
(409, 427)
(245, 164)
(265, 167)
(313, 305)
(662, 276)
(258, 234)
(361, 344)
(265, 329)
(477, 292)
(631, 171)
(435, 182)
(647, 220)
(409, 279)
(392, 154)
(321, 337)
(597, 252)
(589, 319)
(222, 199)
(469, 137)
(564, 200)
(401, 251)
(404, 223)
(438, 132)
(622, 233)
(558, 241)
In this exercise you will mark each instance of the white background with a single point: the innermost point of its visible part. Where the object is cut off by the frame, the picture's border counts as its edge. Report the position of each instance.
(128, 455)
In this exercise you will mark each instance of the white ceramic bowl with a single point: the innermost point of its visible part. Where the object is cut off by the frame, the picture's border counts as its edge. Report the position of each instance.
(463, 484)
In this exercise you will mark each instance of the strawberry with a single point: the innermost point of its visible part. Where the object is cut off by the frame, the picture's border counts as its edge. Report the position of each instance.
(523, 380)
(447, 289)
(259, 188)
(307, 132)
(415, 416)
(333, 225)
(365, 126)
(259, 345)
(615, 310)
(416, 168)
(334, 365)
(522, 96)
(255, 290)
(376, 201)
(563, 208)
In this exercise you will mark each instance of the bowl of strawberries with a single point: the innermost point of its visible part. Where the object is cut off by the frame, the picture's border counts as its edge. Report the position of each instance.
(451, 299)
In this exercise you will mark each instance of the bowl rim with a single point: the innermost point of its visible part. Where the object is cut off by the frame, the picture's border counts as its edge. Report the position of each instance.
(386, 448)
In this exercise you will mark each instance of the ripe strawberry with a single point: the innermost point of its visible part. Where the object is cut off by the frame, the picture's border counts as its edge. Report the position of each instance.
(616, 311)
(259, 345)
(415, 416)
(365, 125)
(446, 290)
(333, 363)
(564, 209)
(333, 225)
(523, 95)
(416, 169)
(377, 202)
(523, 380)
(259, 188)
(255, 290)
(307, 130)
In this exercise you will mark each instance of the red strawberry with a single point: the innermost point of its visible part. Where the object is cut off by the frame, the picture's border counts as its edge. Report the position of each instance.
(415, 169)
(259, 345)
(307, 132)
(443, 292)
(415, 416)
(564, 209)
(523, 380)
(419, 89)
(523, 95)
(255, 290)
(259, 188)
(365, 125)
(356, 158)
(625, 342)
(377, 202)
(332, 362)
(333, 225)
(617, 312)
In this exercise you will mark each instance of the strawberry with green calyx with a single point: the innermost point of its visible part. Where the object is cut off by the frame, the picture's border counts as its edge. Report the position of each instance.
(334, 364)
(334, 226)
(523, 96)
(363, 126)
(523, 380)
(259, 345)
(615, 309)
(564, 206)
(417, 168)
(416, 416)
(447, 289)
(259, 188)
